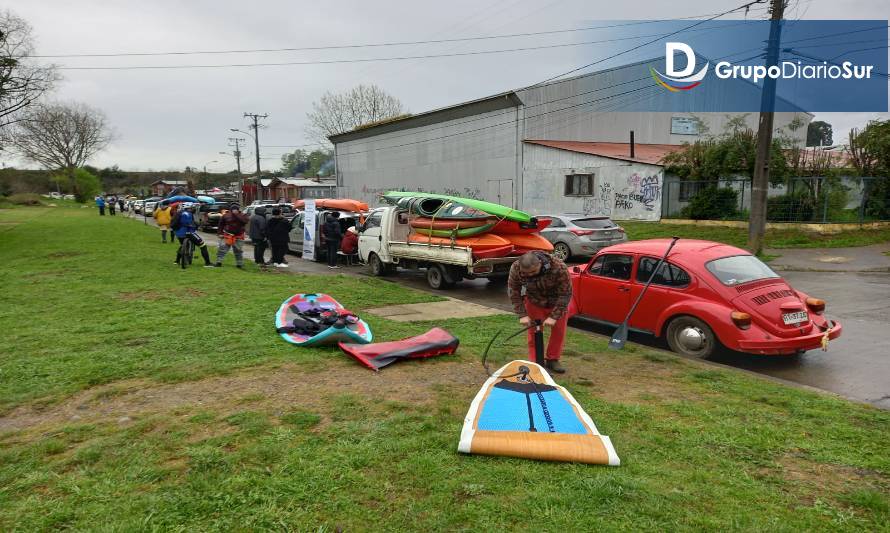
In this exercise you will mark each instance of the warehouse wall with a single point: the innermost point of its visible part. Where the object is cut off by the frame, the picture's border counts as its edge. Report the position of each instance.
(472, 157)
(604, 106)
(622, 190)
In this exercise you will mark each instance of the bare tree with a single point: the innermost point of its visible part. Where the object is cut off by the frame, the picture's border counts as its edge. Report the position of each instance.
(362, 105)
(61, 136)
(23, 80)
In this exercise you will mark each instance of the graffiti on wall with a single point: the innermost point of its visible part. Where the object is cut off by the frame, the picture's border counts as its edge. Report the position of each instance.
(641, 192)
(601, 202)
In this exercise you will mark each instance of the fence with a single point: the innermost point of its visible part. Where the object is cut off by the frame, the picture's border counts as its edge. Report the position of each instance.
(820, 200)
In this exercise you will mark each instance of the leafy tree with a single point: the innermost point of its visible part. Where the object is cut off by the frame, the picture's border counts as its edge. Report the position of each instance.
(819, 133)
(360, 106)
(310, 164)
(84, 184)
(870, 152)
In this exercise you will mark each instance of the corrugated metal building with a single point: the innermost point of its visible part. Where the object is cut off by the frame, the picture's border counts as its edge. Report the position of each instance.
(557, 147)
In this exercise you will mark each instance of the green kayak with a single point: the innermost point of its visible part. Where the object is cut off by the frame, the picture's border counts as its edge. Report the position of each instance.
(488, 207)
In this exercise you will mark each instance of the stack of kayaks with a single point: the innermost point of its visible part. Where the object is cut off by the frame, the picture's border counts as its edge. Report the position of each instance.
(490, 230)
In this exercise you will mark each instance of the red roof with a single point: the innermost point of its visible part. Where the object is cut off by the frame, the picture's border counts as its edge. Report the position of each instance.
(643, 153)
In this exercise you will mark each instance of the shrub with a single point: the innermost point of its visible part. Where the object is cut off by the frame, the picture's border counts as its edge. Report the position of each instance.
(25, 199)
(794, 207)
(713, 203)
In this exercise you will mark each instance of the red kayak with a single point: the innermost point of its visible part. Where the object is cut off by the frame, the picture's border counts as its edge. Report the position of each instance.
(449, 224)
(511, 227)
(503, 251)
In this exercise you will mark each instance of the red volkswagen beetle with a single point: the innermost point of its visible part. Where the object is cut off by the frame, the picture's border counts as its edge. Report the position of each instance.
(705, 295)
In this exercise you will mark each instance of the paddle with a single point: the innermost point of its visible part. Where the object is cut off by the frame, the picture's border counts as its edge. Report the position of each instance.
(620, 335)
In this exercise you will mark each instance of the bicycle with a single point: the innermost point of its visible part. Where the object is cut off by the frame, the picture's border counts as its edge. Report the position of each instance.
(186, 253)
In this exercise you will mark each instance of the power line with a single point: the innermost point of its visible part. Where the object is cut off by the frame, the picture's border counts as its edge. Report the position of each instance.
(353, 46)
(743, 6)
(399, 58)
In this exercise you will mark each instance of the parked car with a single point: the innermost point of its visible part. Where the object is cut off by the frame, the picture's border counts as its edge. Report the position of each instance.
(286, 209)
(137, 206)
(581, 235)
(706, 295)
(298, 224)
(151, 203)
(208, 215)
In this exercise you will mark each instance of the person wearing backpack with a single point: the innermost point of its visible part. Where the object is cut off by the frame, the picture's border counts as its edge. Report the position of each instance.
(185, 227)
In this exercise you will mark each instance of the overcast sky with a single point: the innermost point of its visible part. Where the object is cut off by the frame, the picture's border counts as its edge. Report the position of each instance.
(168, 119)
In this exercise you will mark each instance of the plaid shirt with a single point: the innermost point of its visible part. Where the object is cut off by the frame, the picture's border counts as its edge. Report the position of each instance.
(551, 289)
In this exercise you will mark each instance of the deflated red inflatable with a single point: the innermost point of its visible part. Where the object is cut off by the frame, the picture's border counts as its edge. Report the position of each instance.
(375, 356)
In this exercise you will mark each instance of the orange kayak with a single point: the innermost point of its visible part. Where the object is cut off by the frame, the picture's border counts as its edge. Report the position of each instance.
(526, 243)
(481, 243)
(342, 204)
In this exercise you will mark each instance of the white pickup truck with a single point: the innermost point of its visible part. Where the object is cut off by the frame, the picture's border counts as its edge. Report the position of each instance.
(383, 245)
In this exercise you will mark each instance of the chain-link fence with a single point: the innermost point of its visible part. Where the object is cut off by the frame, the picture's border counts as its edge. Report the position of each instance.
(820, 200)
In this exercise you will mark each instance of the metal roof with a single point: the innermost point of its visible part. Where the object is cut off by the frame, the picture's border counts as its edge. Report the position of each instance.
(651, 154)
(466, 109)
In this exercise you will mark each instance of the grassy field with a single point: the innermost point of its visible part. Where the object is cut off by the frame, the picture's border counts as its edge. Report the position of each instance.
(739, 236)
(135, 396)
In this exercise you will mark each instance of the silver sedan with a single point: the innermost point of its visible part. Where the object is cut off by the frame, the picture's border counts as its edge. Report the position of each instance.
(581, 235)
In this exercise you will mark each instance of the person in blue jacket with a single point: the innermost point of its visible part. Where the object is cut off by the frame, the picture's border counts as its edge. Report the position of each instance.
(185, 227)
(100, 203)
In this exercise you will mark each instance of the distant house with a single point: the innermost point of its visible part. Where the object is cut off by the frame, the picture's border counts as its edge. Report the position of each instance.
(164, 187)
(290, 189)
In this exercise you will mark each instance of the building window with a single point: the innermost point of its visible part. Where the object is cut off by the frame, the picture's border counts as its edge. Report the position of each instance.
(579, 185)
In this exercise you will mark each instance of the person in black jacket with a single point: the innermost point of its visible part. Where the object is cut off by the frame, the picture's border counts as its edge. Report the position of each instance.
(278, 232)
(257, 234)
(332, 234)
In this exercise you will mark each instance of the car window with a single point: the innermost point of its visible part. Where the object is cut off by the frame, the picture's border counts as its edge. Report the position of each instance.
(739, 269)
(373, 221)
(593, 223)
(614, 266)
(555, 222)
(668, 274)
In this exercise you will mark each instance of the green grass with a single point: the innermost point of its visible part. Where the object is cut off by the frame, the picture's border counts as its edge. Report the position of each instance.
(774, 238)
(163, 400)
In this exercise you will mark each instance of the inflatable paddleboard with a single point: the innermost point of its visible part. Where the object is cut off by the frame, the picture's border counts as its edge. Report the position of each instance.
(359, 332)
(521, 412)
(375, 356)
(341, 204)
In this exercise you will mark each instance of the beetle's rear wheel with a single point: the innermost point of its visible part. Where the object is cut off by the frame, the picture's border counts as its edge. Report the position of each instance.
(691, 337)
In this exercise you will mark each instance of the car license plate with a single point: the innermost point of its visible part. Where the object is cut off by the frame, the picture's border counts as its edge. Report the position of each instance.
(795, 318)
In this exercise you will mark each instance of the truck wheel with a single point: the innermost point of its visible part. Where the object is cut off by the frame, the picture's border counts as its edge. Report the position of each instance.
(377, 266)
(689, 336)
(435, 277)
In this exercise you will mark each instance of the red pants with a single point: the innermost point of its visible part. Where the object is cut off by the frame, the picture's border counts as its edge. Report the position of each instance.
(557, 332)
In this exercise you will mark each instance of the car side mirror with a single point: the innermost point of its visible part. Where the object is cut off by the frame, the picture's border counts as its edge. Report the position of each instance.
(576, 269)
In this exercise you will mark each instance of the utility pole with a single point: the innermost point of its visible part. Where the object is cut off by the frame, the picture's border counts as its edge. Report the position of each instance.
(256, 139)
(760, 180)
(237, 154)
